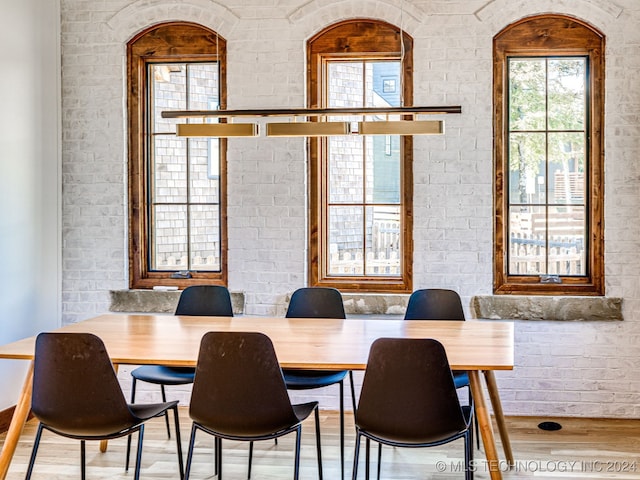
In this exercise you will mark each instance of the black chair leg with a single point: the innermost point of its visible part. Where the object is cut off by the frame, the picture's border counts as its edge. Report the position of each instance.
(136, 475)
(296, 463)
(367, 457)
(250, 459)
(356, 454)
(178, 442)
(192, 441)
(379, 459)
(342, 429)
(36, 444)
(166, 415)
(318, 444)
(353, 391)
(83, 460)
(219, 458)
(468, 454)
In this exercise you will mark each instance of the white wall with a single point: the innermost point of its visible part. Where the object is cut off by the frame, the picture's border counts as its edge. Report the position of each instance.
(29, 178)
(562, 368)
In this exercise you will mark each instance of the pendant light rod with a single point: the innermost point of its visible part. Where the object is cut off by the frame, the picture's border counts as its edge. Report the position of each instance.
(311, 112)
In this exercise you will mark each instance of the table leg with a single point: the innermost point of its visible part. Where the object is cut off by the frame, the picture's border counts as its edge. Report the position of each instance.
(18, 420)
(484, 422)
(104, 443)
(492, 387)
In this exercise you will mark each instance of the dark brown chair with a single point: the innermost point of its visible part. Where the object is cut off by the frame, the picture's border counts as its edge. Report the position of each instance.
(319, 302)
(409, 399)
(239, 394)
(440, 304)
(196, 300)
(76, 394)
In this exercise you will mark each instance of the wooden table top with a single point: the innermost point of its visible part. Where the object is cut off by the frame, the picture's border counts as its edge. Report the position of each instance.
(329, 344)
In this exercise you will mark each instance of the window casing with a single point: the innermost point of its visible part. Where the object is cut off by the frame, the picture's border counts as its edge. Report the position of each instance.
(548, 100)
(177, 186)
(360, 220)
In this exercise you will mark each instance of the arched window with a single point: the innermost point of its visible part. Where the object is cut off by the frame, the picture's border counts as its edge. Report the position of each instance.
(177, 186)
(549, 103)
(360, 186)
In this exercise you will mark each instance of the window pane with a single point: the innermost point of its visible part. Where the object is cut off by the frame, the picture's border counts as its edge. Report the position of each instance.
(383, 168)
(205, 237)
(346, 86)
(383, 84)
(169, 92)
(566, 168)
(203, 86)
(527, 241)
(346, 172)
(383, 241)
(567, 94)
(566, 229)
(169, 243)
(169, 175)
(346, 242)
(527, 92)
(527, 180)
(204, 175)
(548, 242)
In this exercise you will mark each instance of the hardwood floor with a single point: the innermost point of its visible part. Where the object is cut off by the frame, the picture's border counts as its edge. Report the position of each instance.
(582, 449)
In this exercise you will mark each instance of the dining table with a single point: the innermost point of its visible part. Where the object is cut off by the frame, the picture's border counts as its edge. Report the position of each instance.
(480, 347)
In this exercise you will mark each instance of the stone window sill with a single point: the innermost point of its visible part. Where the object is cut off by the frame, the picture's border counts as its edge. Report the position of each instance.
(492, 307)
(158, 301)
(536, 307)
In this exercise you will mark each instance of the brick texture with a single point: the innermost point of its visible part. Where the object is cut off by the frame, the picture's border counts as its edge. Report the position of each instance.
(562, 368)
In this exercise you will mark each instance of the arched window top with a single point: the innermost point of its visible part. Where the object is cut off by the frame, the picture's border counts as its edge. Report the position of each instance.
(361, 187)
(544, 32)
(549, 152)
(177, 186)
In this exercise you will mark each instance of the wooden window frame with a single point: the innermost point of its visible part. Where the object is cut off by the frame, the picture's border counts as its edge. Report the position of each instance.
(549, 36)
(167, 42)
(358, 39)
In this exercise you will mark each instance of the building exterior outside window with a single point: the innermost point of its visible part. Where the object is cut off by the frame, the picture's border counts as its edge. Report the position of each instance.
(177, 185)
(360, 186)
(549, 96)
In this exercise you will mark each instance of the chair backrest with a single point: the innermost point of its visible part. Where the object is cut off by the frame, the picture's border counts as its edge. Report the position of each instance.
(434, 304)
(316, 302)
(238, 387)
(75, 388)
(408, 394)
(205, 300)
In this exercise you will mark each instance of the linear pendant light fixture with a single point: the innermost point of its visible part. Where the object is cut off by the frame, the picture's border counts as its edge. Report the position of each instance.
(223, 130)
(307, 129)
(319, 127)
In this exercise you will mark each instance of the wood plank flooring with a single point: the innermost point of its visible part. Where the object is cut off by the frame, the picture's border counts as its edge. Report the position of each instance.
(583, 449)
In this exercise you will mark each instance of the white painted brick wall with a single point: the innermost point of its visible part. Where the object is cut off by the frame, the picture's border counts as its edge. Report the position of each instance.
(578, 369)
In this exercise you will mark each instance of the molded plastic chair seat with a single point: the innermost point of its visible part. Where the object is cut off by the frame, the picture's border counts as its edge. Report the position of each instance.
(440, 304)
(239, 394)
(319, 302)
(409, 399)
(196, 300)
(308, 379)
(164, 375)
(76, 394)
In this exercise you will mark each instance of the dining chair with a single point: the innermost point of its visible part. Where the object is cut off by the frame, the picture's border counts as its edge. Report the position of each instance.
(196, 300)
(76, 394)
(440, 304)
(319, 302)
(239, 394)
(409, 399)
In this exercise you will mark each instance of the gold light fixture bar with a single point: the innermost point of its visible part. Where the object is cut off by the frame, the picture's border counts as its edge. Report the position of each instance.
(221, 130)
(402, 127)
(307, 129)
(311, 112)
